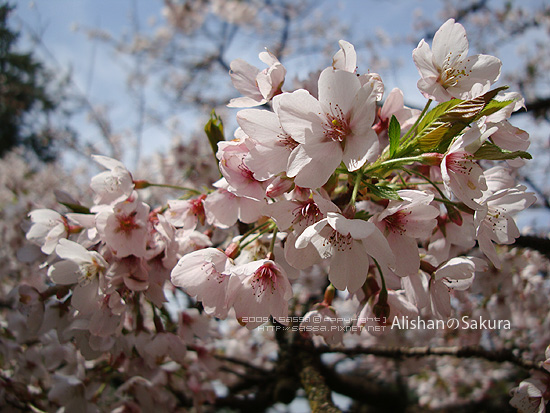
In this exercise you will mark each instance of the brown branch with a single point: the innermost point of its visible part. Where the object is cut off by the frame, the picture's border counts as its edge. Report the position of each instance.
(540, 244)
(242, 363)
(319, 395)
(497, 356)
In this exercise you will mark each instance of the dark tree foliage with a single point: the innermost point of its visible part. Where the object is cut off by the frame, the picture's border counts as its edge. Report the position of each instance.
(24, 97)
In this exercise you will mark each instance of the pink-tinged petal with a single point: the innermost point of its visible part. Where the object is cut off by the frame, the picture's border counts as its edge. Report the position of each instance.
(112, 186)
(268, 58)
(266, 162)
(359, 148)
(245, 102)
(311, 232)
(416, 289)
(440, 300)
(463, 177)
(250, 210)
(108, 163)
(399, 306)
(270, 82)
(104, 323)
(357, 228)
(86, 298)
(348, 268)
(298, 113)
(431, 89)
(363, 110)
(394, 102)
(202, 274)
(405, 250)
(512, 200)
(64, 272)
(488, 248)
(480, 69)
(423, 59)
(510, 138)
(259, 289)
(450, 44)
(456, 268)
(53, 237)
(300, 258)
(221, 208)
(261, 125)
(325, 158)
(336, 89)
(377, 246)
(345, 58)
(243, 75)
(70, 250)
(297, 160)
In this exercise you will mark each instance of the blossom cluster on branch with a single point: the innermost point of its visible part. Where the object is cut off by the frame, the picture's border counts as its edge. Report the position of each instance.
(378, 205)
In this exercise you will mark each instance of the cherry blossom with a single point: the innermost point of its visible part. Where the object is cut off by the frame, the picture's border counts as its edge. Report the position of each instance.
(345, 58)
(458, 274)
(494, 222)
(258, 87)
(531, 396)
(270, 147)
(123, 227)
(446, 71)
(347, 243)
(462, 175)
(323, 321)
(113, 185)
(257, 290)
(402, 222)
(82, 267)
(335, 128)
(47, 228)
(186, 213)
(205, 274)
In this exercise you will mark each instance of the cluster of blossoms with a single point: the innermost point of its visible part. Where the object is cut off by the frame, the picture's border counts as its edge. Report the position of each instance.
(323, 189)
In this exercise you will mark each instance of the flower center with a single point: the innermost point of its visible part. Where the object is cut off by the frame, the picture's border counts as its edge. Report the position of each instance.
(396, 222)
(337, 127)
(246, 172)
(339, 241)
(88, 271)
(449, 75)
(286, 140)
(127, 223)
(307, 212)
(265, 278)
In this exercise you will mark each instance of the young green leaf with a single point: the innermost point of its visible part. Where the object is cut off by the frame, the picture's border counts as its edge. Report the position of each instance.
(384, 192)
(394, 133)
(492, 152)
(214, 131)
(448, 119)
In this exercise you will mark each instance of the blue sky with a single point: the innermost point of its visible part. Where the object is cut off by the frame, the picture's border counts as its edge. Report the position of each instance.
(98, 72)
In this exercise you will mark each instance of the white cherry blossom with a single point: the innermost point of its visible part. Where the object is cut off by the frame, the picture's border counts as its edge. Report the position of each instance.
(446, 70)
(348, 244)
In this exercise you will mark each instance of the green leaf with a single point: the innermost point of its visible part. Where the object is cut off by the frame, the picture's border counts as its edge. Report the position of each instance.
(448, 119)
(433, 138)
(494, 106)
(80, 209)
(362, 215)
(436, 112)
(384, 192)
(394, 133)
(492, 152)
(214, 131)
